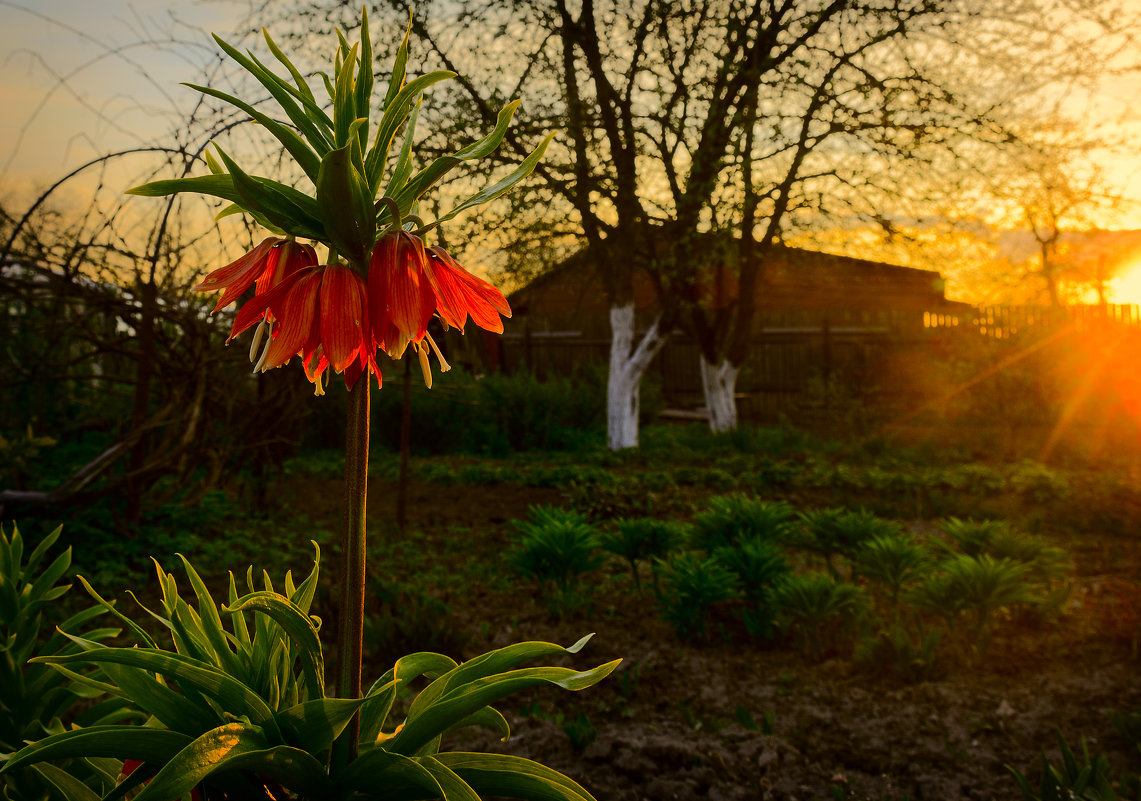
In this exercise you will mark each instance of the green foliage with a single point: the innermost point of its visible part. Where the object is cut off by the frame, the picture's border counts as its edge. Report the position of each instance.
(233, 712)
(820, 607)
(691, 585)
(842, 532)
(1087, 780)
(1038, 482)
(978, 585)
(973, 537)
(34, 698)
(759, 566)
(496, 414)
(736, 518)
(1128, 725)
(624, 496)
(334, 151)
(643, 539)
(557, 547)
(894, 561)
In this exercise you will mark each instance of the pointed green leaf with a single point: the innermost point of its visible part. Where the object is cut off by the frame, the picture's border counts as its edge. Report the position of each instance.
(403, 166)
(122, 742)
(282, 205)
(401, 777)
(512, 777)
(50, 576)
(210, 620)
(302, 153)
(464, 700)
(346, 206)
(488, 718)
(314, 724)
(399, 65)
(344, 103)
(364, 78)
(407, 668)
(37, 552)
(303, 597)
(395, 112)
(299, 627)
(238, 619)
(228, 692)
(488, 664)
(296, 115)
(72, 788)
(440, 167)
(489, 193)
(455, 788)
(213, 751)
(298, 78)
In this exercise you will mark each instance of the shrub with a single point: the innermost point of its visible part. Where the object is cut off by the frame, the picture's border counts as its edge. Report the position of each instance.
(35, 698)
(239, 708)
(640, 539)
(759, 565)
(817, 605)
(973, 537)
(1038, 481)
(692, 584)
(497, 413)
(624, 497)
(557, 547)
(841, 532)
(979, 585)
(731, 519)
(893, 561)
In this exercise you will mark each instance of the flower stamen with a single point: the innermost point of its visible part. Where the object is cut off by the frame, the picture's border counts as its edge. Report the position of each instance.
(444, 366)
(425, 368)
(259, 366)
(258, 332)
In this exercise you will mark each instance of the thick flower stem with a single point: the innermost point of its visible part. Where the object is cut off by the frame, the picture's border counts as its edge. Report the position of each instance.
(351, 627)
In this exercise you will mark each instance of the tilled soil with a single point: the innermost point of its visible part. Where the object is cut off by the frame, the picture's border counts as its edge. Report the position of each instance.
(731, 719)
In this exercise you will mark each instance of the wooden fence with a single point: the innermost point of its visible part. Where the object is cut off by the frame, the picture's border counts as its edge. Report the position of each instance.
(802, 362)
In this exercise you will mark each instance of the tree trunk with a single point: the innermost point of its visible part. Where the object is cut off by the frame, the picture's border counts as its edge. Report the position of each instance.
(627, 366)
(720, 385)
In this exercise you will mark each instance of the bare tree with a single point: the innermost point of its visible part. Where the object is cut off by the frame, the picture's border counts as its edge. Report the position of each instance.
(100, 316)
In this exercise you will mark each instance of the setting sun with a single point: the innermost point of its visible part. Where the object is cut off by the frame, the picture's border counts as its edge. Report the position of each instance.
(1126, 288)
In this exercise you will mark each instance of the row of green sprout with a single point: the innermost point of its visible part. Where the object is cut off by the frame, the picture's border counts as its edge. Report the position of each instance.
(826, 578)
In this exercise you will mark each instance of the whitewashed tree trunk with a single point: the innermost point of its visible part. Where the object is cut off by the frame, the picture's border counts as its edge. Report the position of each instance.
(720, 384)
(627, 366)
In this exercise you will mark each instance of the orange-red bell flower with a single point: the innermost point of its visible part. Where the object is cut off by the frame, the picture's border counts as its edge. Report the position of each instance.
(401, 302)
(322, 316)
(408, 284)
(267, 265)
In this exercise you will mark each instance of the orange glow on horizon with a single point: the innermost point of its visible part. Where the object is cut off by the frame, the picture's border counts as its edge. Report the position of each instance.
(1126, 288)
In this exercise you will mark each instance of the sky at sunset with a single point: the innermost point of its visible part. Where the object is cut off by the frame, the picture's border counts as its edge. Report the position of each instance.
(81, 78)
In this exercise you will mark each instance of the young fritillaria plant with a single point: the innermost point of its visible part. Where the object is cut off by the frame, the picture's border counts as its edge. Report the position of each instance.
(243, 711)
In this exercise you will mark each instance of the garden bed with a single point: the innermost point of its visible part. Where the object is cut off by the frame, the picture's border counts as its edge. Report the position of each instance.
(732, 717)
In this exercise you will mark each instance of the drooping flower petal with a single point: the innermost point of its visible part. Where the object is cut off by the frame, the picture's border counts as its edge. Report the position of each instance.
(459, 293)
(283, 260)
(297, 317)
(256, 309)
(343, 320)
(236, 277)
(401, 301)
